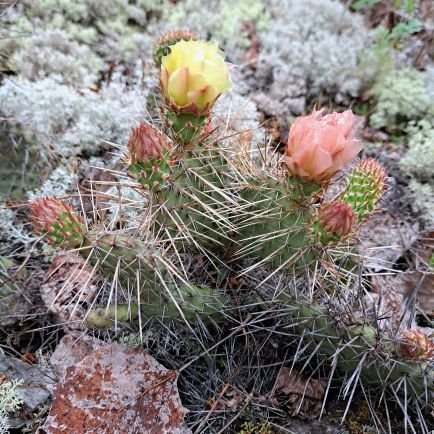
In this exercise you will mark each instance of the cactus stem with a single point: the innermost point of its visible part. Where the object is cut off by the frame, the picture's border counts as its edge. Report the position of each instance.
(186, 127)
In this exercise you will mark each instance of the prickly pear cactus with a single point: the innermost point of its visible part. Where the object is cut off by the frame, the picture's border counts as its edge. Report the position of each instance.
(202, 198)
(129, 261)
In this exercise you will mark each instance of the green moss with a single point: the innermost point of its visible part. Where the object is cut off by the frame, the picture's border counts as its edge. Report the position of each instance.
(419, 160)
(419, 164)
(400, 96)
(423, 194)
(233, 14)
(255, 428)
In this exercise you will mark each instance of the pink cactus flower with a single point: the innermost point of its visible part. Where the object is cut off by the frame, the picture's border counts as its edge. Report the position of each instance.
(319, 146)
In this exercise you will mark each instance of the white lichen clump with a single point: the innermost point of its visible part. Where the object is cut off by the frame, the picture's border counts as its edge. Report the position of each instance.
(401, 96)
(423, 195)
(419, 164)
(313, 47)
(103, 26)
(13, 231)
(51, 52)
(222, 20)
(239, 115)
(60, 183)
(70, 121)
(10, 401)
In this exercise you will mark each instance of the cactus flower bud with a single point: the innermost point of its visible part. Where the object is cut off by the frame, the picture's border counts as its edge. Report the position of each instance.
(193, 75)
(147, 143)
(319, 146)
(417, 345)
(365, 188)
(148, 155)
(163, 43)
(336, 218)
(58, 222)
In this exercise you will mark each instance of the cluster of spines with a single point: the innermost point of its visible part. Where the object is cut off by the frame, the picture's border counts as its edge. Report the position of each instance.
(148, 155)
(365, 187)
(58, 222)
(334, 222)
(129, 260)
(361, 348)
(416, 345)
(163, 43)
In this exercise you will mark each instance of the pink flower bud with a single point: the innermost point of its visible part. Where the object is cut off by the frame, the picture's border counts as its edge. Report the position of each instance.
(319, 146)
(336, 218)
(147, 143)
(417, 345)
(58, 221)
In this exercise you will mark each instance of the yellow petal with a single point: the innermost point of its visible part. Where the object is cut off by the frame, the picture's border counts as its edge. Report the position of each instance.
(177, 87)
(164, 80)
(171, 62)
(202, 97)
(194, 72)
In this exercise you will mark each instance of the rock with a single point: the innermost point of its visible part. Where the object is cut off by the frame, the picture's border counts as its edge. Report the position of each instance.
(35, 391)
(71, 349)
(68, 289)
(115, 390)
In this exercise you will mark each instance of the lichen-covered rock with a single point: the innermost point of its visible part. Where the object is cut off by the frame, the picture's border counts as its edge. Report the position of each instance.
(72, 349)
(118, 390)
(35, 385)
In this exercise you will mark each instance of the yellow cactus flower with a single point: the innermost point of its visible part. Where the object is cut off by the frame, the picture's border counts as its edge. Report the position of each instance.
(193, 75)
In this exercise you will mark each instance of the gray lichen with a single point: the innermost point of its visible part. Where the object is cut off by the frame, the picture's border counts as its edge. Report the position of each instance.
(70, 121)
(313, 46)
(418, 163)
(401, 96)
